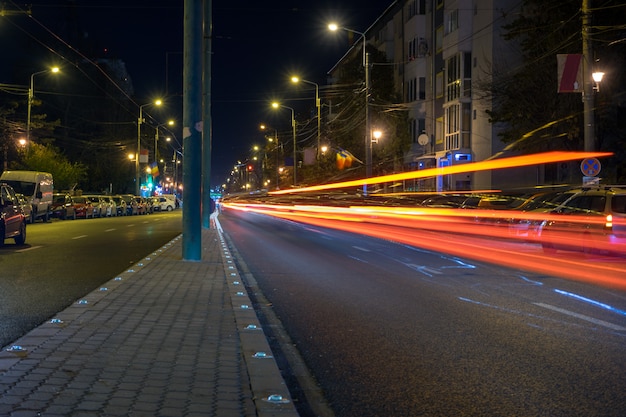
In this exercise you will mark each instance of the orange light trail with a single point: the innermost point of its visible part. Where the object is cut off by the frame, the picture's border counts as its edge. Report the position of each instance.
(474, 234)
(511, 162)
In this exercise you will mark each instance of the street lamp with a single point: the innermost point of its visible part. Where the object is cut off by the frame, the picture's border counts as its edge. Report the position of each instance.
(31, 94)
(296, 79)
(156, 137)
(597, 79)
(293, 130)
(368, 149)
(277, 147)
(264, 127)
(139, 122)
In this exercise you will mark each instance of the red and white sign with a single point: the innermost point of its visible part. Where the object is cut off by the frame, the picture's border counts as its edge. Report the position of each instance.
(143, 156)
(570, 70)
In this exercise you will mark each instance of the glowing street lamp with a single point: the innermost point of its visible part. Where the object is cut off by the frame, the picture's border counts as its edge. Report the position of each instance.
(140, 120)
(156, 136)
(31, 95)
(296, 79)
(293, 130)
(368, 150)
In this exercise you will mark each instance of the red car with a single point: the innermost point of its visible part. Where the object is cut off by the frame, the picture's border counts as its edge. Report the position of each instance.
(82, 207)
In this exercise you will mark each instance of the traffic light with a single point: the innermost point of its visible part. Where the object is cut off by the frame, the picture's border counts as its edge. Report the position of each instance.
(250, 167)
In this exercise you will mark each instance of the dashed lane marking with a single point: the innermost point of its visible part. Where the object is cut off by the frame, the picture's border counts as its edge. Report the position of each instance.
(27, 249)
(582, 317)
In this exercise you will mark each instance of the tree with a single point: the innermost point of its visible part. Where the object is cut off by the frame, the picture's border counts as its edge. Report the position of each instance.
(47, 158)
(534, 116)
(349, 122)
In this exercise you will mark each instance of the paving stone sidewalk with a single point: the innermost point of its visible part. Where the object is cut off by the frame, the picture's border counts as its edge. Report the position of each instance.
(166, 337)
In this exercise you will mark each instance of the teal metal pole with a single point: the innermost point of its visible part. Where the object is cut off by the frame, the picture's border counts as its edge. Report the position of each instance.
(192, 130)
(208, 123)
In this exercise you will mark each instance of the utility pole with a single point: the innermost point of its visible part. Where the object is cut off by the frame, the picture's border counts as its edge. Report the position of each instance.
(192, 130)
(588, 92)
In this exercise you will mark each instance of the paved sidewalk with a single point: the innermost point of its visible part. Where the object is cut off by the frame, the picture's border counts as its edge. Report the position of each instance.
(166, 337)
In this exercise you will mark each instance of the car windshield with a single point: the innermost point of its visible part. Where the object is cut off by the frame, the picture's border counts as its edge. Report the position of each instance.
(59, 199)
(22, 187)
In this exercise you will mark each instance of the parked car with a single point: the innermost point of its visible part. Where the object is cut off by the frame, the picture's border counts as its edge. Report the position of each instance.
(82, 207)
(26, 207)
(98, 206)
(154, 204)
(527, 224)
(592, 220)
(131, 204)
(12, 218)
(107, 206)
(120, 205)
(36, 186)
(112, 205)
(141, 205)
(166, 202)
(62, 207)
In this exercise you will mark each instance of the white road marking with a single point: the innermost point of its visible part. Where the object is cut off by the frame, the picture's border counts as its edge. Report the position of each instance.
(27, 249)
(79, 237)
(110, 230)
(582, 317)
(361, 249)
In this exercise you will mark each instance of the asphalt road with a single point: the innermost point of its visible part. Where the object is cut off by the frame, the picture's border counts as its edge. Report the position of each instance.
(394, 330)
(64, 260)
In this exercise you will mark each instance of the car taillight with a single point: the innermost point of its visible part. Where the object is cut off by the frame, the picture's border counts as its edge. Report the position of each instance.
(608, 222)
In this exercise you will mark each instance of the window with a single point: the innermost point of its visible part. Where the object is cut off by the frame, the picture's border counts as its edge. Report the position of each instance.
(416, 7)
(618, 204)
(411, 90)
(439, 85)
(453, 73)
(422, 88)
(452, 127)
(439, 131)
(585, 204)
(466, 125)
(467, 74)
(452, 21)
(439, 39)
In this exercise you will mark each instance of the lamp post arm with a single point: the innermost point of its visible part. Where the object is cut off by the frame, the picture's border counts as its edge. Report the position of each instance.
(362, 35)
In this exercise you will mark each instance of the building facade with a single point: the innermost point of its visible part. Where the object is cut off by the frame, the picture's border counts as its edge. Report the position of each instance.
(445, 55)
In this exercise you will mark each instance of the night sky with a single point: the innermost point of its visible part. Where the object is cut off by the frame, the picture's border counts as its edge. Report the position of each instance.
(256, 46)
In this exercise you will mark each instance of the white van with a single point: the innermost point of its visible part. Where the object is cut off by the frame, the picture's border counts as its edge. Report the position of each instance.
(165, 202)
(36, 186)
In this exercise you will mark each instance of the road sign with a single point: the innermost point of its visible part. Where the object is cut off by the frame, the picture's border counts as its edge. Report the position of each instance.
(590, 167)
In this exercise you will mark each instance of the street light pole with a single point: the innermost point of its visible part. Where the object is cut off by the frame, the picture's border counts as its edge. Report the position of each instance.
(588, 93)
(293, 132)
(319, 111)
(31, 95)
(276, 149)
(156, 138)
(366, 65)
(139, 122)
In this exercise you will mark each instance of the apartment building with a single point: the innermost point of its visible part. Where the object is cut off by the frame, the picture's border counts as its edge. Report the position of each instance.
(445, 54)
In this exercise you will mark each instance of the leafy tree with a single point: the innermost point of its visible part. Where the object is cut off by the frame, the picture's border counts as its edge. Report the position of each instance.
(533, 115)
(47, 158)
(347, 127)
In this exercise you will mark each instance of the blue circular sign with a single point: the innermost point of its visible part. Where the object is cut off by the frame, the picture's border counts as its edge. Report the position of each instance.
(590, 167)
